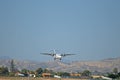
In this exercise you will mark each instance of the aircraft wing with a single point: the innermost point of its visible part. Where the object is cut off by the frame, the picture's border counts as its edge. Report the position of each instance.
(67, 54)
(51, 54)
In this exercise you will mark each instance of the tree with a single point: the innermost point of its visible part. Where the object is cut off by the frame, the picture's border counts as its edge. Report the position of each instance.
(86, 73)
(4, 71)
(46, 71)
(25, 72)
(113, 76)
(115, 70)
(39, 71)
(63, 74)
(12, 66)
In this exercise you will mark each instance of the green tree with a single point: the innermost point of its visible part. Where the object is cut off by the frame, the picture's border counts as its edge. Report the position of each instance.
(86, 73)
(39, 71)
(113, 76)
(63, 74)
(32, 72)
(25, 72)
(115, 70)
(12, 66)
(46, 71)
(4, 71)
(119, 74)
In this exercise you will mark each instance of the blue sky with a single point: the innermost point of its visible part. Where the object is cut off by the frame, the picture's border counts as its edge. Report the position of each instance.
(88, 28)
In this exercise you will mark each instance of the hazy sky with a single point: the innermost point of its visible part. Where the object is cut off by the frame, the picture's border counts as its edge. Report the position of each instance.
(88, 28)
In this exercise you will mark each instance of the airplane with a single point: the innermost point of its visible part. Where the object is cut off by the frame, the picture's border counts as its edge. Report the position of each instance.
(57, 56)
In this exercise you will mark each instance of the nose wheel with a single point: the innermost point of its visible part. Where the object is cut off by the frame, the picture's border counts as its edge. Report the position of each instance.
(57, 59)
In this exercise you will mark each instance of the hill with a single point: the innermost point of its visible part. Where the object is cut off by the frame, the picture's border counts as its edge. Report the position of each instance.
(105, 65)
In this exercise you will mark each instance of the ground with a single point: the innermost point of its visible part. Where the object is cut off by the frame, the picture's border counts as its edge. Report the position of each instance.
(26, 78)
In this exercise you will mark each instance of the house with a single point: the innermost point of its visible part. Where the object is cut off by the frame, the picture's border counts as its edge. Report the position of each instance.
(96, 76)
(46, 75)
(75, 74)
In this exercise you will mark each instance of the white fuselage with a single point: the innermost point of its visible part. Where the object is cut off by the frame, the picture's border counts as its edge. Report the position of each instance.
(57, 56)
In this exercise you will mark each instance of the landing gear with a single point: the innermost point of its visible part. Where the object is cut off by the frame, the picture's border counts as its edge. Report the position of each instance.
(58, 59)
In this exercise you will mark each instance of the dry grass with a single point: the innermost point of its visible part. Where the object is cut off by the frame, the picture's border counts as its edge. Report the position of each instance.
(26, 78)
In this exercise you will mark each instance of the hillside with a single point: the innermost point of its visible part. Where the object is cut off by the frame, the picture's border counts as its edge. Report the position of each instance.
(105, 65)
